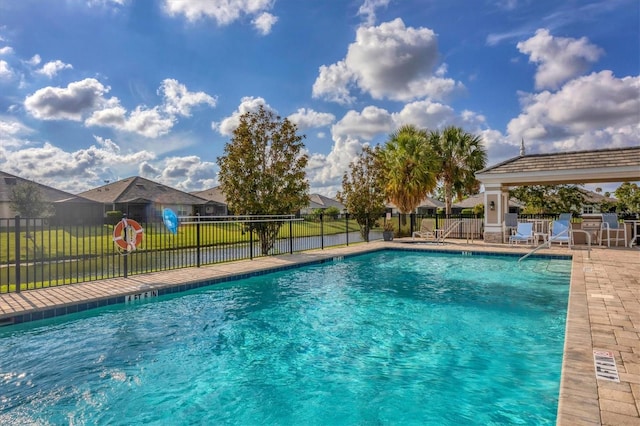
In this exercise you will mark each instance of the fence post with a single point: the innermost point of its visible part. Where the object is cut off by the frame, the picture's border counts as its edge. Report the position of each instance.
(321, 231)
(16, 231)
(250, 241)
(198, 240)
(346, 218)
(126, 254)
(291, 235)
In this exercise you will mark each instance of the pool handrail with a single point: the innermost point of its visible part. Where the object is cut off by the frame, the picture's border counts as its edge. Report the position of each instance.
(545, 243)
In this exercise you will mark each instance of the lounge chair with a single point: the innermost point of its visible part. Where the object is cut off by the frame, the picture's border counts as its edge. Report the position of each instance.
(426, 231)
(614, 230)
(509, 224)
(560, 232)
(523, 232)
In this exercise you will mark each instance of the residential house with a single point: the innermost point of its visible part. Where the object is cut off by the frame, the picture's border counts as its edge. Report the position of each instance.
(428, 206)
(470, 202)
(143, 199)
(217, 201)
(317, 201)
(68, 208)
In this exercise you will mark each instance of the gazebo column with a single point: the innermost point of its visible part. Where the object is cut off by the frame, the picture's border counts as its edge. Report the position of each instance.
(496, 203)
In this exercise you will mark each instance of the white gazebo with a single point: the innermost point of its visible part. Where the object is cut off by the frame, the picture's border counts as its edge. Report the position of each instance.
(596, 166)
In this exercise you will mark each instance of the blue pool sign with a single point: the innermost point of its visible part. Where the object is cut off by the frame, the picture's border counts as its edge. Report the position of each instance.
(170, 220)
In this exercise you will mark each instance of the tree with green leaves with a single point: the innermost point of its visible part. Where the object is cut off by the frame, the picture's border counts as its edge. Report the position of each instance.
(550, 198)
(27, 200)
(262, 171)
(363, 190)
(628, 195)
(410, 167)
(461, 155)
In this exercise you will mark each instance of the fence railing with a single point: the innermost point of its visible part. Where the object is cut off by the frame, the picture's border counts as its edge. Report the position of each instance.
(34, 253)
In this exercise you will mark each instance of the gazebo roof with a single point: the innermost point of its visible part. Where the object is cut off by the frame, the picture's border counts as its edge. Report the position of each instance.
(595, 166)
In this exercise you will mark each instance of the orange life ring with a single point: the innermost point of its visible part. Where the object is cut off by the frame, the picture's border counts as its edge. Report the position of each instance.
(128, 234)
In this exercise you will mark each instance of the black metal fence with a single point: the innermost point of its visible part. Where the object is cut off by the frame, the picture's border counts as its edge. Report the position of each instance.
(35, 253)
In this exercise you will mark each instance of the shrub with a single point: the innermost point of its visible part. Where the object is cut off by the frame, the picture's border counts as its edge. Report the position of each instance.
(113, 217)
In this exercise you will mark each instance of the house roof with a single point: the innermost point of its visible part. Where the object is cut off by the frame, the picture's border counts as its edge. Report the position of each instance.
(52, 195)
(212, 194)
(427, 202)
(317, 201)
(474, 200)
(595, 166)
(137, 189)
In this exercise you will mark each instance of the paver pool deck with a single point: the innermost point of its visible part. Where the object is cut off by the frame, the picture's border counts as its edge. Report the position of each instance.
(603, 314)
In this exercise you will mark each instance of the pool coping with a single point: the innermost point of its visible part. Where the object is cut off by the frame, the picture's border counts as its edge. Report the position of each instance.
(603, 312)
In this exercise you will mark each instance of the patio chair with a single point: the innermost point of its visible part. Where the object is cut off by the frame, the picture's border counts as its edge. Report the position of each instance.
(523, 232)
(560, 232)
(426, 231)
(565, 216)
(509, 224)
(615, 231)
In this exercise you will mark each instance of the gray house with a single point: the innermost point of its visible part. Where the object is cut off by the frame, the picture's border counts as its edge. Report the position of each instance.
(143, 199)
(69, 208)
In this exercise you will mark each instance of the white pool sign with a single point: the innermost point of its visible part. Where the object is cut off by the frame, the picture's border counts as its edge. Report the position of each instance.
(605, 363)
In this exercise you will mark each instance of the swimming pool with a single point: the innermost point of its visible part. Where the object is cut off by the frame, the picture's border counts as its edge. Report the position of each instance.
(390, 337)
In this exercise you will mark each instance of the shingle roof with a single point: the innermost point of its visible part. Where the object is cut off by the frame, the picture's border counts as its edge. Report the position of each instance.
(323, 202)
(52, 195)
(141, 190)
(212, 194)
(602, 165)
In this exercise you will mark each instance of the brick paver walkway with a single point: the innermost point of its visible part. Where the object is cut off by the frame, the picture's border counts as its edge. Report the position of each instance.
(603, 315)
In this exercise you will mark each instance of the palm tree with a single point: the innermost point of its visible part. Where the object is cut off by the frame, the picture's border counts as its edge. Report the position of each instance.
(461, 155)
(410, 167)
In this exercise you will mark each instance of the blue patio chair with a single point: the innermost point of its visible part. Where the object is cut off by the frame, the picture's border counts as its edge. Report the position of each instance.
(565, 216)
(615, 231)
(509, 223)
(560, 232)
(523, 233)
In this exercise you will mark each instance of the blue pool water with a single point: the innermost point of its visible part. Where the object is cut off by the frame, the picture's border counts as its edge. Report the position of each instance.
(384, 338)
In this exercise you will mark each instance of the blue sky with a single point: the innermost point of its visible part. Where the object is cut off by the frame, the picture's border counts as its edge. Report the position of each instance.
(97, 90)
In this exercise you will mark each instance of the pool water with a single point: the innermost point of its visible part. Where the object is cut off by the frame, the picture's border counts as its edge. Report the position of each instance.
(390, 337)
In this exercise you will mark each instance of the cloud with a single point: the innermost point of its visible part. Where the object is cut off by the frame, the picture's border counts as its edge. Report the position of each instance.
(70, 103)
(71, 171)
(598, 107)
(389, 61)
(179, 101)
(7, 50)
(333, 83)
(559, 59)
(247, 104)
(264, 23)
(5, 70)
(308, 118)
(50, 69)
(86, 98)
(188, 173)
(35, 60)
(368, 9)
(223, 12)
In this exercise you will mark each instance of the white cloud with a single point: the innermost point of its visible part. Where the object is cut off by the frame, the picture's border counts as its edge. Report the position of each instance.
(188, 173)
(35, 60)
(559, 59)
(598, 106)
(425, 114)
(70, 103)
(70, 171)
(333, 83)
(86, 98)
(264, 22)
(50, 69)
(5, 70)
(247, 104)
(368, 9)
(389, 61)
(308, 118)
(7, 50)
(223, 12)
(179, 101)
